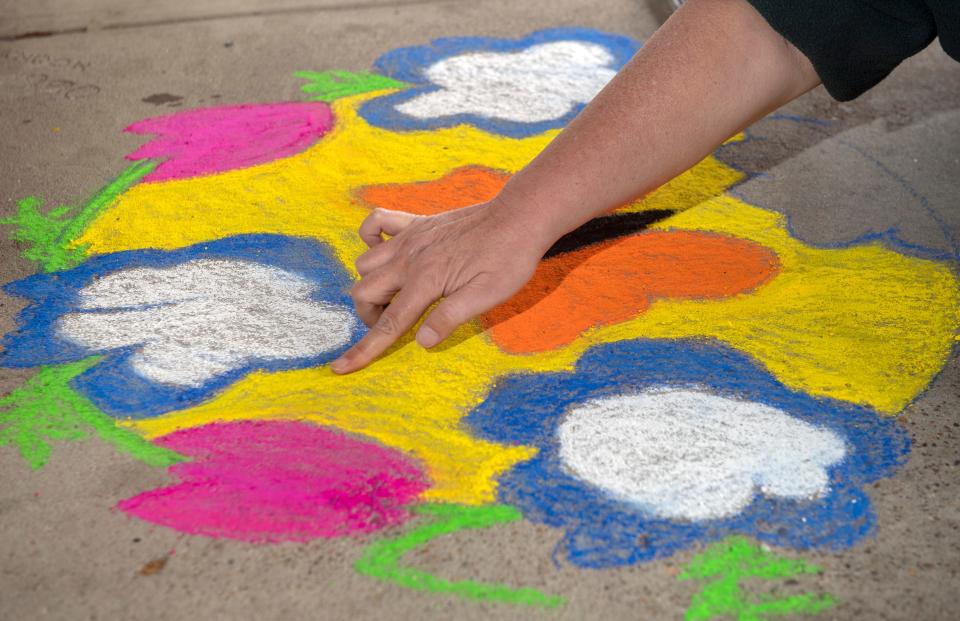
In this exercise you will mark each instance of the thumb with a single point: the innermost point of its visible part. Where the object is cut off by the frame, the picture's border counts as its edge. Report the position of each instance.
(475, 297)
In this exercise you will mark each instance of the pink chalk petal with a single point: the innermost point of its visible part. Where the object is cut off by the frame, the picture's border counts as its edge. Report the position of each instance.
(273, 481)
(212, 140)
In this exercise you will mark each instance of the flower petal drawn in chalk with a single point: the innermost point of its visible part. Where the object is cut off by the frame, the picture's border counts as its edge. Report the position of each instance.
(177, 326)
(207, 141)
(651, 446)
(515, 88)
(622, 278)
(273, 481)
(687, 454)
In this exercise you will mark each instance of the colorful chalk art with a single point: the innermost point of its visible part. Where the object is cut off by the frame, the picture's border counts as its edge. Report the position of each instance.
(680, 373)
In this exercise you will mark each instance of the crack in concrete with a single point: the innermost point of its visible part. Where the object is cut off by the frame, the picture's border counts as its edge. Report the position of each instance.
(295, 10)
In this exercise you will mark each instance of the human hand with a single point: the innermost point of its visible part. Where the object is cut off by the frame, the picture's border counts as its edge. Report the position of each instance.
(474, 258)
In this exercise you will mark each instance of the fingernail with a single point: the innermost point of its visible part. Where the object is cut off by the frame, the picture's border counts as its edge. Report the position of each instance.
(427, 337)
(339, 365)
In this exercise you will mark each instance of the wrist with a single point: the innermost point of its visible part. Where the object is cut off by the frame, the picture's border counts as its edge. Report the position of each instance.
(535, 225)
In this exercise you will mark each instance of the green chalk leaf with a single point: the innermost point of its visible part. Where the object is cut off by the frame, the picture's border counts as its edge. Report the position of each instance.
(46, 408)
(726, 564)
(330, 85)
(49, 235)
(382, 558)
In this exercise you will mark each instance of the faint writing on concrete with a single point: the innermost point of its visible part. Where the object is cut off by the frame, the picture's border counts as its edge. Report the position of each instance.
(44, 60)
(59, 87)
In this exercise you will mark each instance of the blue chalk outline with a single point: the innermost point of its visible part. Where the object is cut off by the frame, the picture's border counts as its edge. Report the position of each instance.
(112, 384)
(601, 531)
(408, 63)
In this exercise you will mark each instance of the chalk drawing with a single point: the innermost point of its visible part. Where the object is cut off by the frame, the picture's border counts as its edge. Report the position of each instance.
(193, 322)
(462, 187)
(49, 236)
(382, 558)
(548, 312)
(533, 75)
(213, 140)
(46, 408)
(271, 481)
(780, 323)
(688, 454)
(330, 85)
(727, 564)
(189, 310)
(178, 325)
(515, 88)
(798, 509)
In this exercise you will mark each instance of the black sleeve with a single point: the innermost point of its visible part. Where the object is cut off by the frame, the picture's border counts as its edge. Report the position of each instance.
(854, 44)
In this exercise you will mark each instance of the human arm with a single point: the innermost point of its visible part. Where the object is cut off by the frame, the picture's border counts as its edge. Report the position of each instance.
(714, 67)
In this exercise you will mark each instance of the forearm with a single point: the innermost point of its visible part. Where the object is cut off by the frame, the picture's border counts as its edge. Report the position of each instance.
(714, 67)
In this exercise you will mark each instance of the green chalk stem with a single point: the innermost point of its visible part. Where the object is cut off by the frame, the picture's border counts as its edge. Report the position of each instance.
(49, 235)
(330, 85)
(46, 408)
(726, 563)
(382, 558)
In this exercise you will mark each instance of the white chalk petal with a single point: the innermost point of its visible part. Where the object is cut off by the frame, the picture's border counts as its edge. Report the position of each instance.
(541, 83)
(689, 454)
(203, 318)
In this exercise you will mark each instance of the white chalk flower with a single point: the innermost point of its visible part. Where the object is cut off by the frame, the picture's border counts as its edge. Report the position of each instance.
(544, 82)
(201, 319)
(687, 454)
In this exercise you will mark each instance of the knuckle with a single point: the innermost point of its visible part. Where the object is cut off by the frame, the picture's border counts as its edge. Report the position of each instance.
(387, 324)
(358, 291)
(377, 216)
(367, 314)
(361, 264)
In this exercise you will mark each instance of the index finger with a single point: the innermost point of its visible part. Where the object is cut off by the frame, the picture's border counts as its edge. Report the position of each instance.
(404, 311)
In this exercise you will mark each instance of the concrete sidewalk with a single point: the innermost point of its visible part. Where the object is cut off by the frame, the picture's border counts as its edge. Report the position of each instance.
(880, 173)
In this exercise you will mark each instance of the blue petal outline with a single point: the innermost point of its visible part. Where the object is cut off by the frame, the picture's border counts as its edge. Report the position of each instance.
(602, 531)
(407, 64)
(112, 384)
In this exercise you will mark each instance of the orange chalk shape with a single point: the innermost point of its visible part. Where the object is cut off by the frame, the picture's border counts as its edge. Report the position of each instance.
(614, 281)
(461, 188)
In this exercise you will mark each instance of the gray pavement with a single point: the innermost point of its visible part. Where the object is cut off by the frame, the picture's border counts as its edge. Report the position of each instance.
(73, 75)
